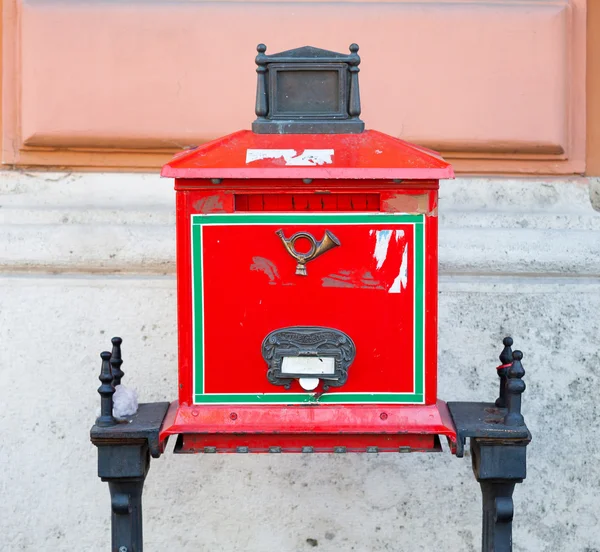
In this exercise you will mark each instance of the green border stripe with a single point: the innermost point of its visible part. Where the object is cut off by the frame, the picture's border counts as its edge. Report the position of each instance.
(294, 398)
(419, 328)
(198, 308)
(198, 221)
(377, 218)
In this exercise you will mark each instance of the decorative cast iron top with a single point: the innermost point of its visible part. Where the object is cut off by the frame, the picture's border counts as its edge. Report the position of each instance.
(308, 126)
(307, 91)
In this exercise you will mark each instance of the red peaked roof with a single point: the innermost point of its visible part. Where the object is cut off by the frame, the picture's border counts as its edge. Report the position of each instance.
(371, 155)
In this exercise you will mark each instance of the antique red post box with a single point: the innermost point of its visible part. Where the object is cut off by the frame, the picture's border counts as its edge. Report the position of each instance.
(307, 276)
(307, 302)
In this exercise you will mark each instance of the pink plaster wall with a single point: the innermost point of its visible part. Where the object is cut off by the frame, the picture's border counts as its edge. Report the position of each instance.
(477, 80)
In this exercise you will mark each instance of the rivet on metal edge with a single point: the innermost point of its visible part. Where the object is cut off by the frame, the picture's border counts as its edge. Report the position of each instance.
(210, 449)
(241, 449)
(308, 449)
(274, 449)
(383, 416)
(373, 449)
(404, 449)
(339, 449)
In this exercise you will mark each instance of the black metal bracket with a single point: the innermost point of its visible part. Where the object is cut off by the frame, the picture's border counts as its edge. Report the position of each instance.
(124, 451)
(140, 429)
(483, 421)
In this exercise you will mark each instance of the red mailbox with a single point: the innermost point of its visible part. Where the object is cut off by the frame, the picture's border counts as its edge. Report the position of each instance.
(307, 276)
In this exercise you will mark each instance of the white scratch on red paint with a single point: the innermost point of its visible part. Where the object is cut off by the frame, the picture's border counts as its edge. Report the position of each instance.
(260, 264)
(349, 279)
(382, 241)
(308, 157)
(399, 234)
(401, 280)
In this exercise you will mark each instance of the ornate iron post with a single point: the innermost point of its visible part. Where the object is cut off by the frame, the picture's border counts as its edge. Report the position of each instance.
(124, 451)
(498, 440)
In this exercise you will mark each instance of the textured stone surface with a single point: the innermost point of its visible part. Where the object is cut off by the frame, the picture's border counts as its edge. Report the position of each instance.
(53, 329)
(53, 326)
(125, 222)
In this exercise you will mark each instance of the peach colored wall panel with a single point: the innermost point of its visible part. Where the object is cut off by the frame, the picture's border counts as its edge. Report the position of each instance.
(480, 81)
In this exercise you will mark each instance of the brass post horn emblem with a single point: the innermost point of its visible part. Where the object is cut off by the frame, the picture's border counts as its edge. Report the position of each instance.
(316, 247)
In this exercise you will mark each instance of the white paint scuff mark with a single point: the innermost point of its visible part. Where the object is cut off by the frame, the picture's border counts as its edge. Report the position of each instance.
(349, 279)
(307, 158)
(382, 241)
(260, 264)
(402, 278)
(399, 234)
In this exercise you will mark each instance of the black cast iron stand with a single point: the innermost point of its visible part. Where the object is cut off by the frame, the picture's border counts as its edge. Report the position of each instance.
(498, 439)
(124, 451)
(497, 432)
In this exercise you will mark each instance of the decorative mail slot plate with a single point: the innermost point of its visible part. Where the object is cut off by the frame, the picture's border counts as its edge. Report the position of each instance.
(309, 355)
(369, 282)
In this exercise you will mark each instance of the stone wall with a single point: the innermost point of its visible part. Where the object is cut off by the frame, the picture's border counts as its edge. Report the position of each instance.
(87, 256)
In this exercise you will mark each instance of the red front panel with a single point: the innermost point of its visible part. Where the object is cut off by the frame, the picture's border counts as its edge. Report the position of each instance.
(241, 296)
(365, 288)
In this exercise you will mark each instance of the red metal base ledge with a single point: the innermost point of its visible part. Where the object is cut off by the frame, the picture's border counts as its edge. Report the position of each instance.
(323, 428)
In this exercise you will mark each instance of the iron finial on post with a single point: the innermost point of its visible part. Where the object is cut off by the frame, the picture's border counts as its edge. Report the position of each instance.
(106, 391)
(514, 389)
(116, 361)
(505, 359)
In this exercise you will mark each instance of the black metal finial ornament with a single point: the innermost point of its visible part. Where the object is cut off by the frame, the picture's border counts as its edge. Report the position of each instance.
(354, 100)
(106, 391)
(307, 91)
(116, 361)
(514, 389)
(505, 360)
(262, 100)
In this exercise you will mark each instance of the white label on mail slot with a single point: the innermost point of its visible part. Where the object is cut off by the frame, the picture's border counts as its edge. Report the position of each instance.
(308, 365)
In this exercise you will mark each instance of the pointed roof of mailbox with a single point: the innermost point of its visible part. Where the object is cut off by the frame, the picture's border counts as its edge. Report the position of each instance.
(366, 155)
